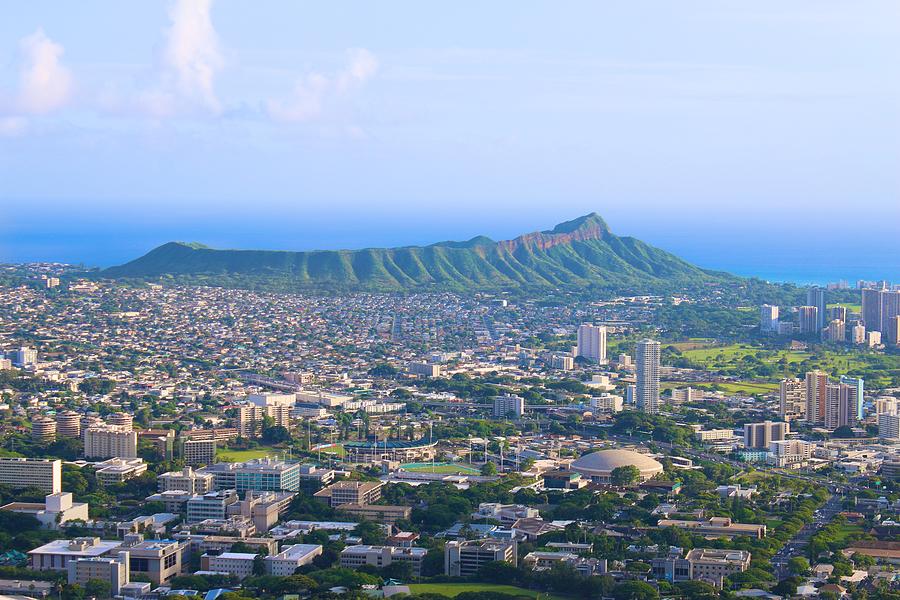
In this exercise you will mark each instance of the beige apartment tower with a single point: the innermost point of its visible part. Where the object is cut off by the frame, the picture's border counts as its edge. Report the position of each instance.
(110, 441)
(43, 429)
(68, 424)
(792, 399)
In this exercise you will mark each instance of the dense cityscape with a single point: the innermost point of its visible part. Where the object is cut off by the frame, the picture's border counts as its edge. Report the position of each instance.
(168, 441)
(450, 301)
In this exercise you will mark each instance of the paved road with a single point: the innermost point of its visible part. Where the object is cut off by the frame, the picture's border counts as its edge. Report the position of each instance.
(796, 546)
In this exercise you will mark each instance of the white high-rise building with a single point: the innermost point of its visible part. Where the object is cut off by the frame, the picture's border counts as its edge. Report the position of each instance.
(768, 318)
(42, 473)
(592, 342)
(509, 405)
(647, 354)
(24, 357)
(889, 427)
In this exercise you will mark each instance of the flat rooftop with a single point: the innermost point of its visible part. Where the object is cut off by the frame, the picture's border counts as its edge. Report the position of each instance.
(62, 547)
(297, 550)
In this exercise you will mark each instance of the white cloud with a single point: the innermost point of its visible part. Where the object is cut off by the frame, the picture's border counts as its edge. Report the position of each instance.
(311, 93)
(45, 84)
(191, 58)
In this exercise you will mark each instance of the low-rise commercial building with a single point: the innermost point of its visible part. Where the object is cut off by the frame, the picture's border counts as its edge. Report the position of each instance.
(353, 557)
(290, 558)
(158, 560)
(789, 453)
(186, 480)
(119, 470)
(714, 565)
(262, 508)
(113, 570)
(313, 478)
(211, 505)
(56, 510)
(351, 492)
(55, 555)
(239, 564)
(465, 558)
(379, 513)
(717, 527)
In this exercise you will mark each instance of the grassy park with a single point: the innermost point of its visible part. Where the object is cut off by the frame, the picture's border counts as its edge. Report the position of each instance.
(228, 455)
(442, 468)
(737, 357)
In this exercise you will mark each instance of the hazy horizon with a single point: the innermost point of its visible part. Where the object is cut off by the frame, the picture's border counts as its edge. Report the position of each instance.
(763, 140)
(717, 248)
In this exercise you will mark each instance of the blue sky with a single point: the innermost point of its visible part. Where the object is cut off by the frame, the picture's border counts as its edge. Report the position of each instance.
(760, 137)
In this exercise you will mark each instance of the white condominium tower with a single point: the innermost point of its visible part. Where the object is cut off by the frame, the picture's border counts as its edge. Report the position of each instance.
(768, 318)
(592, 342)
(647, 390)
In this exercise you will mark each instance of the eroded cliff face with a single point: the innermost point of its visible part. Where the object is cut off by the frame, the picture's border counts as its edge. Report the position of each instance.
(590, 229)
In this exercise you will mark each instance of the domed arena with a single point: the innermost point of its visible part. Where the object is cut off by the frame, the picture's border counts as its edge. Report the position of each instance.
(598, 466)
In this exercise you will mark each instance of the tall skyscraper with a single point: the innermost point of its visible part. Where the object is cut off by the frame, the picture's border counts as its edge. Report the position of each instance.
(890, 308)
(768, 318)
(879, 307)
(860, 386)
(816, 384)
(592, 342)
(892, 331)
(808, 317)
(840, 405)
(815, 296)
(871, 309)
(792, 399)
(647, 353)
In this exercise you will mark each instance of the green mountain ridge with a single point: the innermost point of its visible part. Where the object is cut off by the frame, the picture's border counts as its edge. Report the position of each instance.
(576, 253)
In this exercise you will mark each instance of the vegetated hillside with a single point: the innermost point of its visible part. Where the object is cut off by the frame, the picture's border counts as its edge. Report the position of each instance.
(575, 253)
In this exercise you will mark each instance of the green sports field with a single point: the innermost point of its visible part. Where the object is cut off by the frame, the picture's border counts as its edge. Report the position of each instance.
(442, 468)
(242, 455)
